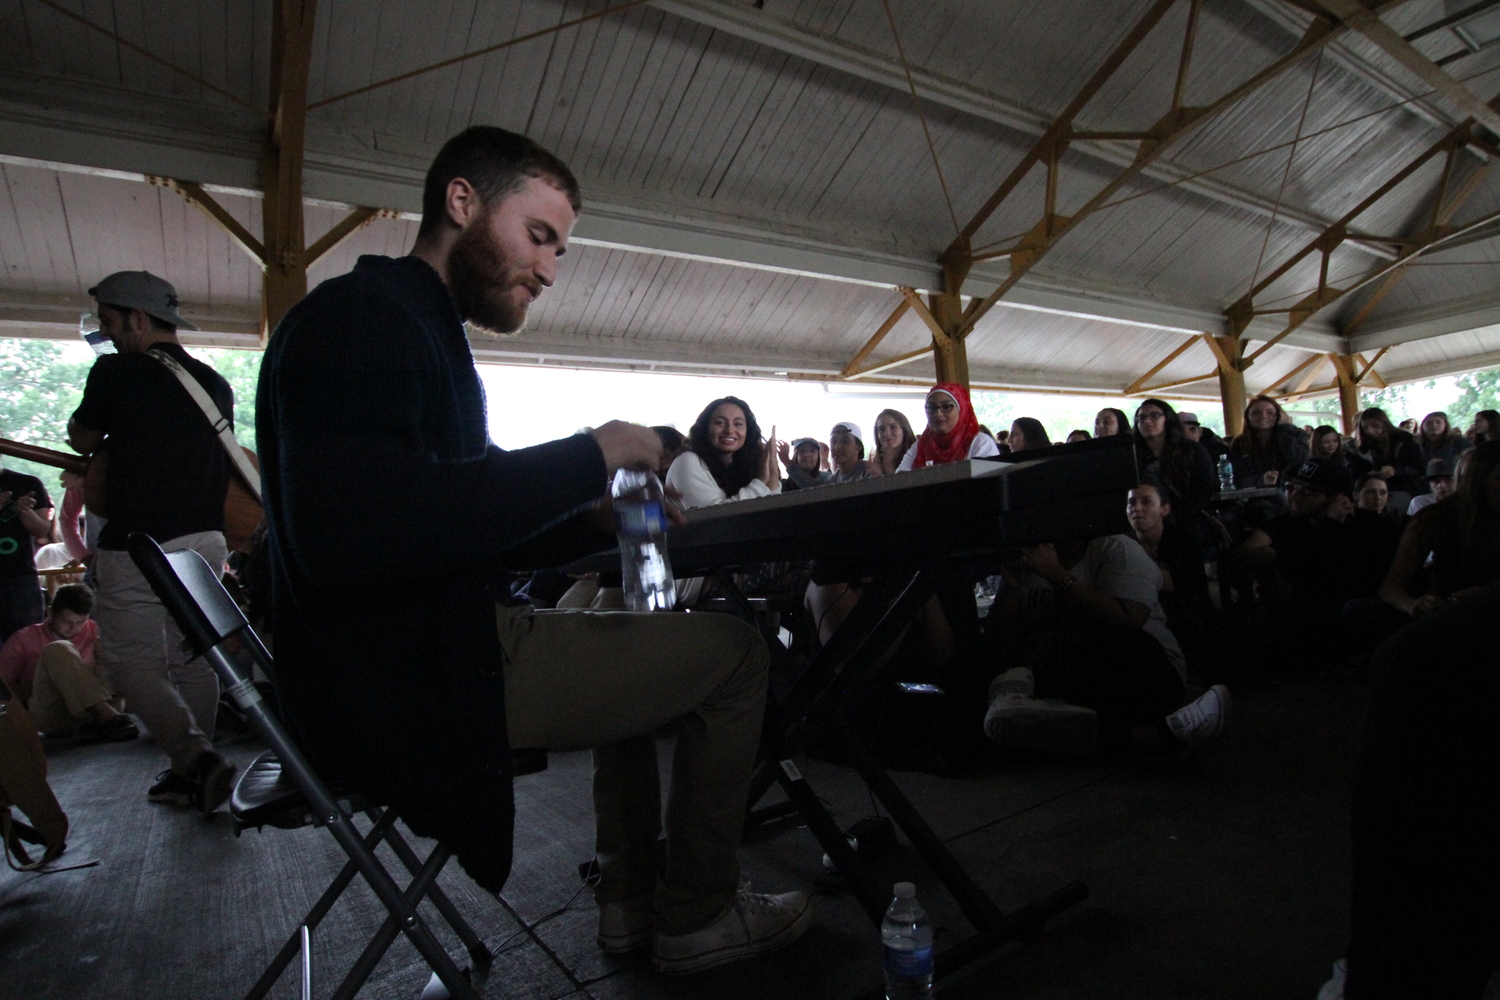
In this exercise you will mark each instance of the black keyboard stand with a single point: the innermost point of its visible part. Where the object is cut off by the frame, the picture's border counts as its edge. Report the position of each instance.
(888, 606)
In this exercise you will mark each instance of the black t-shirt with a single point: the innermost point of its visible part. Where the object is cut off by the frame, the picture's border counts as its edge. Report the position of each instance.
(1314, 555)
(16, 548)
(168, 473)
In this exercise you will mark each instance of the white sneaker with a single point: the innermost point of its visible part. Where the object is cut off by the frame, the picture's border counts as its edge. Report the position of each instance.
(1019, 720)
(626, 925)
(754, 923)
(1016, 680)
(1200, 721)
(1334, 988)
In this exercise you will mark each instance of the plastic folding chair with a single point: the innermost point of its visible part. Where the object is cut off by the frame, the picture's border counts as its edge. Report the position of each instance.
(281, 790)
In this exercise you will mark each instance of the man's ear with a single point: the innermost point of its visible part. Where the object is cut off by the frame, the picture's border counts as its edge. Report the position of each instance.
(463, 203)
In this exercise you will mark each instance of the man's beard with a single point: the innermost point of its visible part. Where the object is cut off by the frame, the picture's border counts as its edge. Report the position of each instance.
(481, 281)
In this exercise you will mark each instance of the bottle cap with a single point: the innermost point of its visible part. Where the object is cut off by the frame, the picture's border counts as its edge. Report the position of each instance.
(906, 890)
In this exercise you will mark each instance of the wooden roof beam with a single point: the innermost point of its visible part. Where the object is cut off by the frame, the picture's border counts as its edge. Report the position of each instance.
(1368, 23)
(860, 356)
(1173, 126)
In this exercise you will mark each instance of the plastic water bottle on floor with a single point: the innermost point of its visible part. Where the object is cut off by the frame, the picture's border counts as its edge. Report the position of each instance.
(641, 523)
(906, 935)
(1226, 474)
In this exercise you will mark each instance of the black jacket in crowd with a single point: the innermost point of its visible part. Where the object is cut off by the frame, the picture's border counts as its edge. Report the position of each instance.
(390, 516)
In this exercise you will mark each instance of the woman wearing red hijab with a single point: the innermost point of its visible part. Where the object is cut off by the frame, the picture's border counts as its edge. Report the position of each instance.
(952, 433)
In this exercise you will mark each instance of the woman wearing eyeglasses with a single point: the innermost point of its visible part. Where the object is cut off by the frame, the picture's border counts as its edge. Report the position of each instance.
(1183, 465)
(952, 433)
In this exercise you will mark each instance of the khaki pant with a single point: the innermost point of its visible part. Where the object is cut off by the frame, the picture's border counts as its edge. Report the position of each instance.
(64, 689)
(607, 681)
(140, 650)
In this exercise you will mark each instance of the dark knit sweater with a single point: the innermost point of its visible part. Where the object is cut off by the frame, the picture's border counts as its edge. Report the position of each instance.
(390, 518)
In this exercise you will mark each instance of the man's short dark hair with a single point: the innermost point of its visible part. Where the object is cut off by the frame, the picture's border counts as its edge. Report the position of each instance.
(74, 597)
(496, 163)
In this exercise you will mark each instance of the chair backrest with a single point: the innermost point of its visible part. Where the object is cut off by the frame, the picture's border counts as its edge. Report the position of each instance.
(191, 592)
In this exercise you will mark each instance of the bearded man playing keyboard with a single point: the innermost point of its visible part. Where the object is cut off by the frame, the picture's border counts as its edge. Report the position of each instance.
(391, 516)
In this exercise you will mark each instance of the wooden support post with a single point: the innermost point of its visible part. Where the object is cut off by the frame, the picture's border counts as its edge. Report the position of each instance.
(285, 279)
(950, 352)
(1348, 383)
(1230, 353)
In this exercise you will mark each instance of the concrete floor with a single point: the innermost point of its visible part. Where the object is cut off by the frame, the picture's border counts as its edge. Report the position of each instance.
(1224, 876)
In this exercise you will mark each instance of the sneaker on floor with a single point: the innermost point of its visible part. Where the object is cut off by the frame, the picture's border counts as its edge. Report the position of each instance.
(215, 779)
(1016, 680)
(1334, 988)
(115, 729)
(1019, 720)
(174, 788)
(754, 924)
(1200, 721)
(626, 925)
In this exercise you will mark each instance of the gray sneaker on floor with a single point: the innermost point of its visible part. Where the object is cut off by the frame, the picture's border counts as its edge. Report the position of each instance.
(625, 926)
(754, 924)
(1199, 721)
(1053, 726)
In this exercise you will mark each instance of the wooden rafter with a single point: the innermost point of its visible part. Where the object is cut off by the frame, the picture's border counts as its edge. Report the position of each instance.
(341, 231)
(194, 195)
(1285, 379)
(1325, 294)
(478, 53)
(1368, 23)
(863, 354)
(292, 25)
(895, 362)
(915, 303)
(1369, 368)
(1153, 389)
(1175, 124)
(1136, 385)
(1442, 214)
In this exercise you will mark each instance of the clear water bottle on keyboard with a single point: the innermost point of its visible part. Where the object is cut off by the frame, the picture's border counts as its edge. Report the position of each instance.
(906, 935)
(641, 523)
(1226, 474)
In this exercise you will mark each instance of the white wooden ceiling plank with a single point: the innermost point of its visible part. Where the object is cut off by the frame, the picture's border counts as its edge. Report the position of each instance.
(593, 311)
(556, 87)
(491, 24)
(651, 280)
(677, 63)
(446, 85)
(771, 143)
(506, 92)
(629, 76)
(763, 116)
(741, 80)
(44, 230)
(798, 153)
(637, 277)
(712, 103)
(17, 254)
(596, 66)
(15, 40)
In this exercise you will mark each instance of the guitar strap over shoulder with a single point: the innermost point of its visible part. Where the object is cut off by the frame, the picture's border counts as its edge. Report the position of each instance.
(216, 419)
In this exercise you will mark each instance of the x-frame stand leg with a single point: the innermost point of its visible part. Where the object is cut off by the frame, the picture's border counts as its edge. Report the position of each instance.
(860, 647)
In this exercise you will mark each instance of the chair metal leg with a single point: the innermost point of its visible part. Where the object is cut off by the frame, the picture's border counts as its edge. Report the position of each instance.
(319, 911)
(410, 922)
(481, 955)
(306, 963)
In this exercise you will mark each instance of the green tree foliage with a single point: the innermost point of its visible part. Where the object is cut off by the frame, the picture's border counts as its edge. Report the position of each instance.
(42, 381)
(1476, 391)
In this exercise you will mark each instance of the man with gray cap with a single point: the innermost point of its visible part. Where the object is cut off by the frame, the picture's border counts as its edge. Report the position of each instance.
(167, 476)
(846, 450)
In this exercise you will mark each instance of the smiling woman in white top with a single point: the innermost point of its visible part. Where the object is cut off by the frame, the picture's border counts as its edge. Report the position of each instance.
(726, 459)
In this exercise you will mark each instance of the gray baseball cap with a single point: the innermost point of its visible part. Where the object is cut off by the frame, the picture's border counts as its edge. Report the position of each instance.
(144, 291)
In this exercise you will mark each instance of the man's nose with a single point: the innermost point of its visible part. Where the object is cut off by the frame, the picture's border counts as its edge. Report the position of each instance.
(546, 269)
